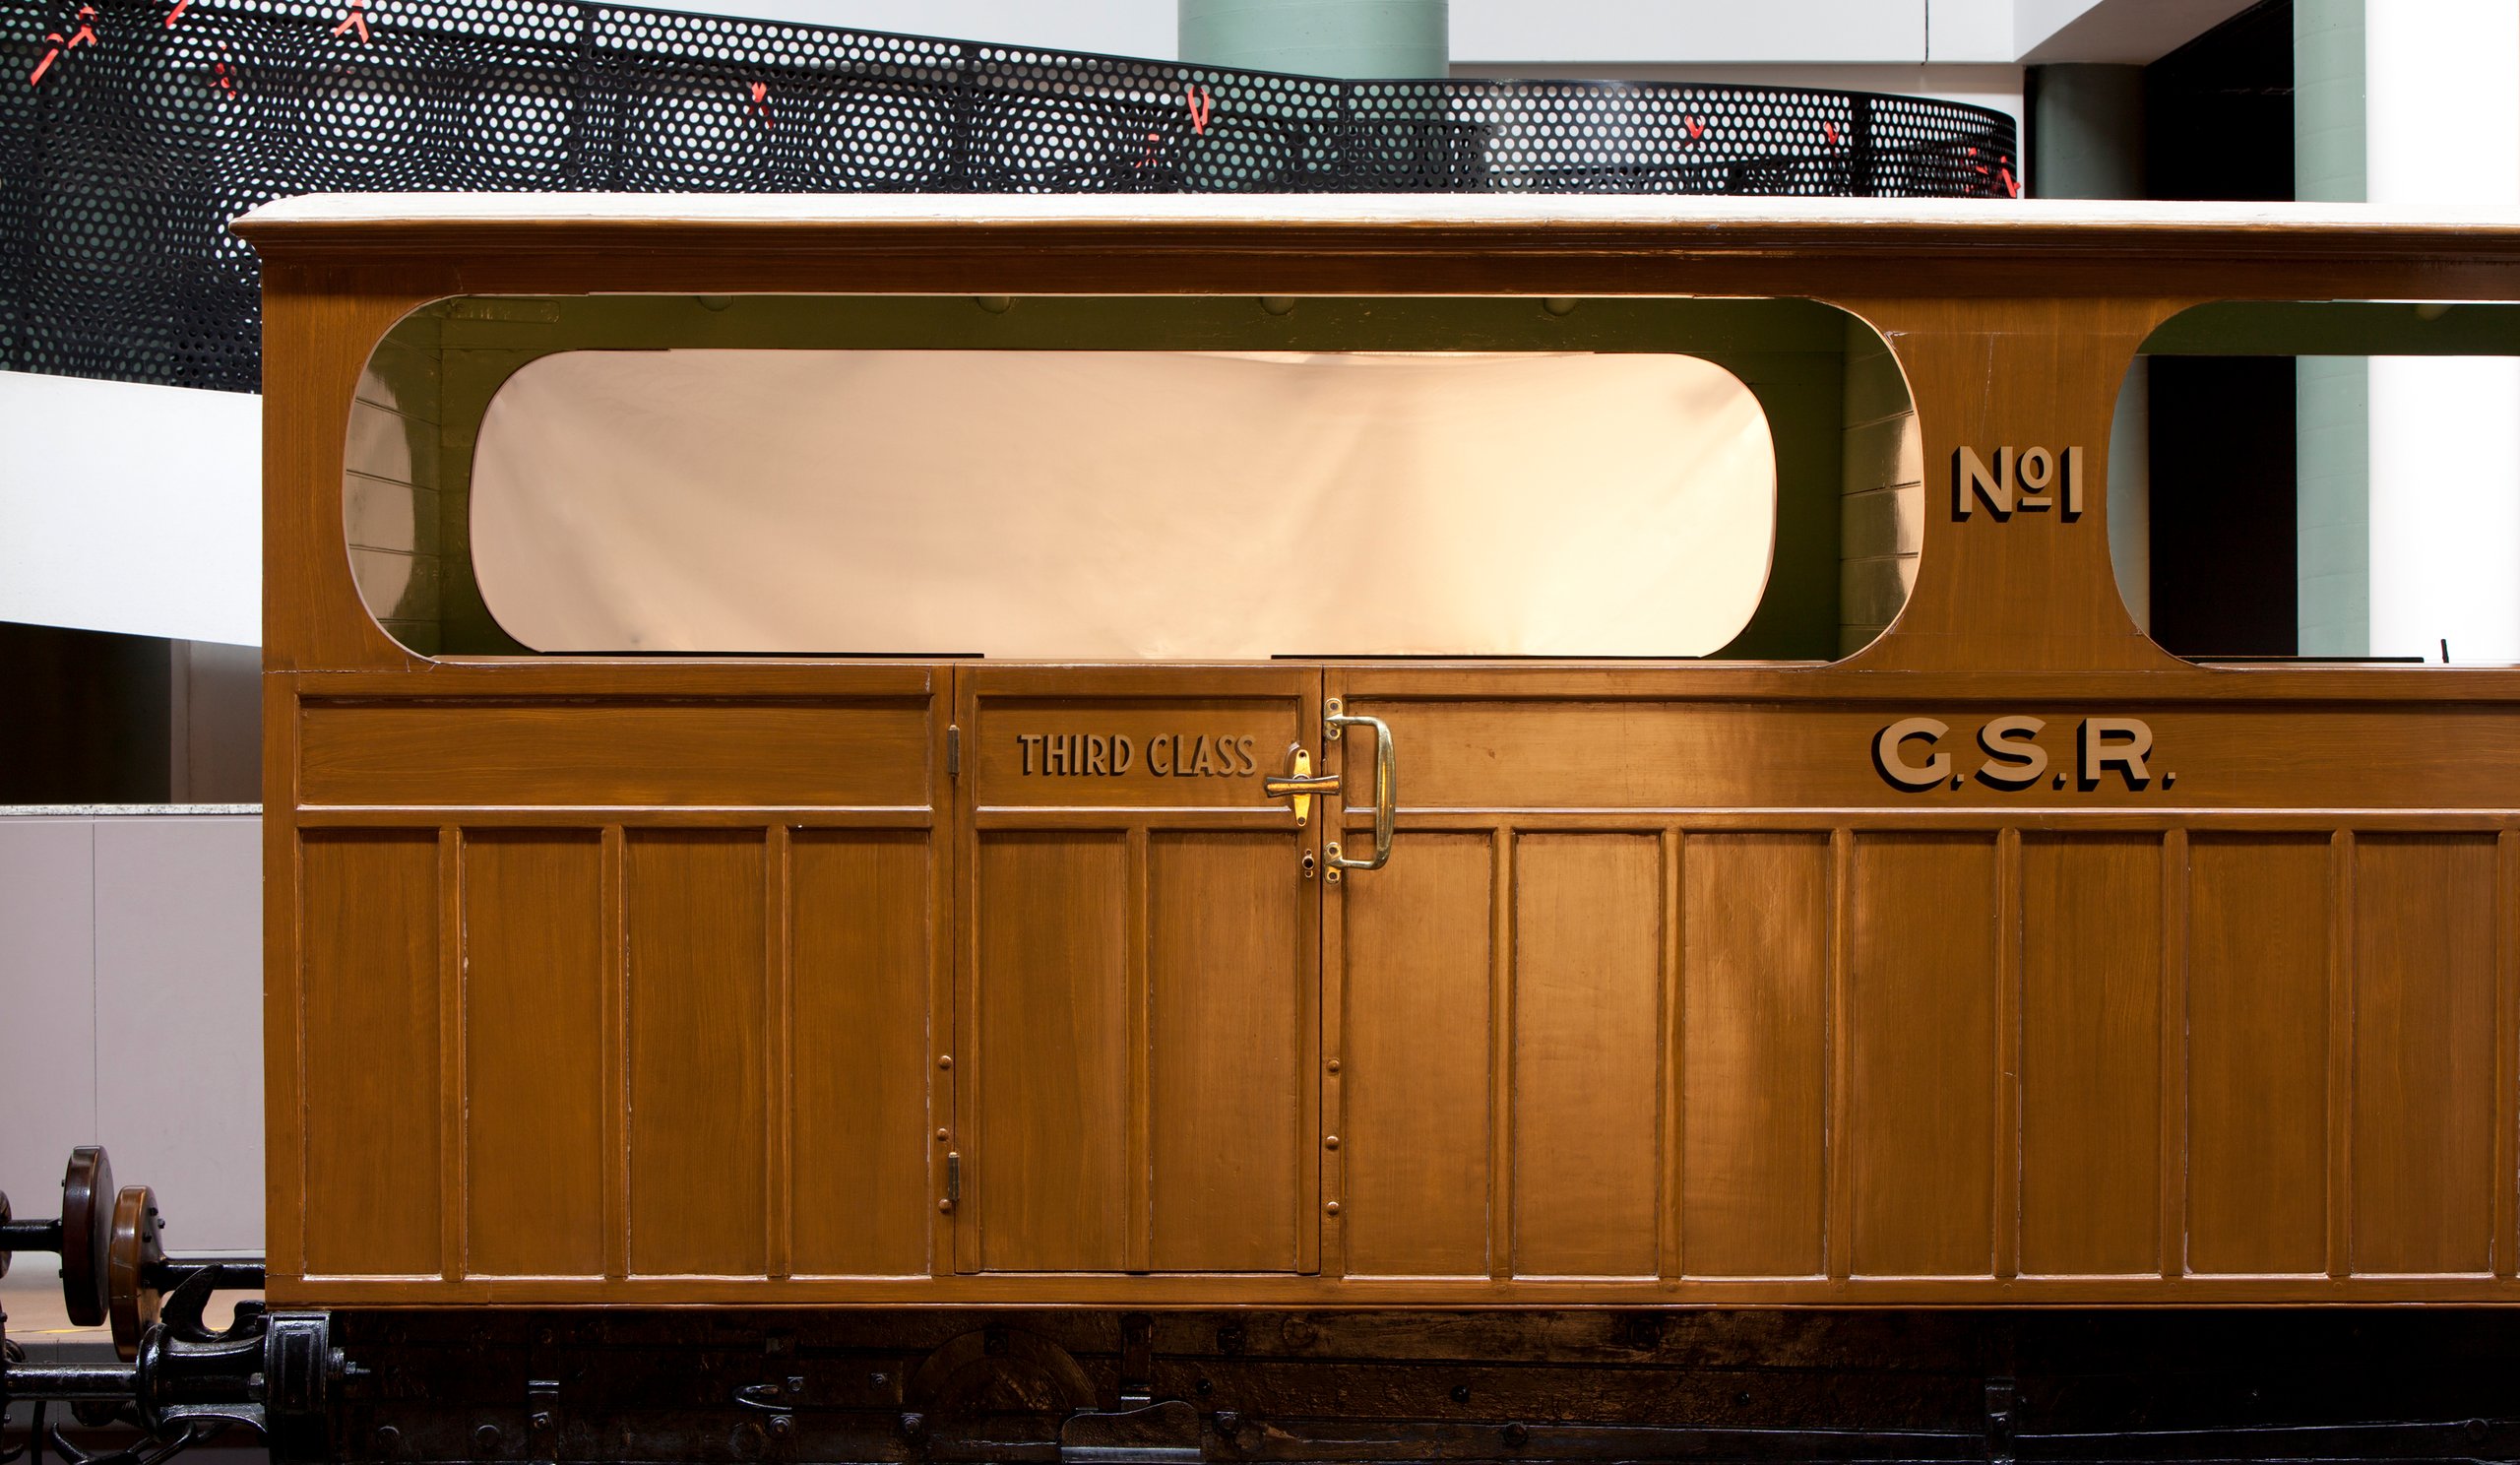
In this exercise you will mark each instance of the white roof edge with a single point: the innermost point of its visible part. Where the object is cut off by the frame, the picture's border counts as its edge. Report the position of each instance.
(1400, 208)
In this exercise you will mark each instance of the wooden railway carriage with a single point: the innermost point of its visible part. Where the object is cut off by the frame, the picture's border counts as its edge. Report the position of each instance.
(2004, 960)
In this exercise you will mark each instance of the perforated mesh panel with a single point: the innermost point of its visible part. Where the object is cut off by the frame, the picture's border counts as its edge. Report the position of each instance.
(133, 130)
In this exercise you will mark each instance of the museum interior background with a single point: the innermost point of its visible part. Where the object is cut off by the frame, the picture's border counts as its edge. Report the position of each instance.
(2326, 506)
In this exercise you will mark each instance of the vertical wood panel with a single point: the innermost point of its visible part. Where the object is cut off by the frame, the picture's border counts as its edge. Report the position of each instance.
(2257, 1055)
(2506, 1029)
(2423, 1015)
(2340, 1054)
(2172, 1261)
(1754, 1097)
(1500, 1055)
(2006, 1158)
(2091, 1055)
(1921, 1055)
(1587, 1045)
(1672, 1024)
(1838, 1245)
(860, 964)
(698, 999)
(370, 981)
(534, 1060)
(1416, 1064)
(778, 1040)
(1137, 1239)
(1226, 1056)
(617, 1051)
(1053, 1067)
(453, 1199)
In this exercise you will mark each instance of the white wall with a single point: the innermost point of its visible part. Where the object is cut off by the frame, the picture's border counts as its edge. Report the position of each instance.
(1517, 34)
(2119, 31)
(1118, 28)
(2442, 83)
(131, 980)
(1487, 32)
(131, 508)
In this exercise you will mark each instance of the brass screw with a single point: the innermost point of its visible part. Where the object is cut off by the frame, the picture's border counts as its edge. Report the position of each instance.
(1332, 1208)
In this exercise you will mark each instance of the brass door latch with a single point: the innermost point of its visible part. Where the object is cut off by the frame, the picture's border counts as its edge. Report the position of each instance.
(1300, 783)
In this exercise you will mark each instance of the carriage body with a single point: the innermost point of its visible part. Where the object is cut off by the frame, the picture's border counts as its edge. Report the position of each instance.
(2005, 961)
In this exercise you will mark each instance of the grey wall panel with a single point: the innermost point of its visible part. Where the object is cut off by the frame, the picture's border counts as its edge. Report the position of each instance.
(179, 1024)
(47, 1007)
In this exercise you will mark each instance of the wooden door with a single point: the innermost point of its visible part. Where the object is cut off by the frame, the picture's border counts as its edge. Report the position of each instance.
(1498, 1029)
(1139, 973)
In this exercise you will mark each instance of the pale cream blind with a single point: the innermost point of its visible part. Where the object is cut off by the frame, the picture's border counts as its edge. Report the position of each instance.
(1123, 506)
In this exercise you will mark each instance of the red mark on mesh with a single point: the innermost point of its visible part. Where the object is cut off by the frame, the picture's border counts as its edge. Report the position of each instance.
(1146, 160)
(1696, 128)
(1991, 178)
(761, 104)
(1829, 130)
(356, 21)
(84, 35)
(1201, 107)
(177, 13)
(225, 79)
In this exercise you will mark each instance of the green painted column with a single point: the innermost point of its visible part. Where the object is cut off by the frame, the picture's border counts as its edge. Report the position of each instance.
(2333, 568)
(1360, 39)
(2087, 131)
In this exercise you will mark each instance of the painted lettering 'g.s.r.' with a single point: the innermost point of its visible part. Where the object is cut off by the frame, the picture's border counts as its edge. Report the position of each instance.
(1911, 754)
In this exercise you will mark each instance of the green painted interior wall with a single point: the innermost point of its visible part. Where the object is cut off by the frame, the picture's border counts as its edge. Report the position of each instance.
(1320, 38)
(2333, 435)
(1792, 353)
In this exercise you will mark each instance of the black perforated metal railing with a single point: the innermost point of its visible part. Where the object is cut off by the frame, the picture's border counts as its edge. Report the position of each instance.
(131, 131)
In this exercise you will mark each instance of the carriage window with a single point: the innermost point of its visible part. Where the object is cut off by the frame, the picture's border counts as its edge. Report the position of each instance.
(717, 476)
(2334, 482)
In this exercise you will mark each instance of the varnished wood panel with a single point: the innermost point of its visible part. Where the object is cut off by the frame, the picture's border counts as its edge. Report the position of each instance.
(2257, 1055)
(1920, 1039)
(1416, 1075)
(698, 1053)
(615, 752)
(1754, 1075)
(369, 920)
(2091, 1083)
(860, 973)
(1497, 753)
(1226, 1053)
(534, 1052)
(1587, 1053)
(1052, 1066)
(2424, 1034)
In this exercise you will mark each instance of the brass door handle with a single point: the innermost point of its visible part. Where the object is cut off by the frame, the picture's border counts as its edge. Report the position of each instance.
(1386, 789)
(1300, 783)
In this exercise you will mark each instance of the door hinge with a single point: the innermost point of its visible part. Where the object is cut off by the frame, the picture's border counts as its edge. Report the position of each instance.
(952, 1177)
(953, 752)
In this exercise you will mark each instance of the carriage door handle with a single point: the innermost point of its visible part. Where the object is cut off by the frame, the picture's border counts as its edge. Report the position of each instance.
(1386, 789)
(1300, 784)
